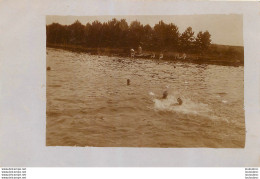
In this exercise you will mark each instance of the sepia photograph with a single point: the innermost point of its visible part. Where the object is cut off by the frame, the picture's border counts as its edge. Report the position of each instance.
(145, 81)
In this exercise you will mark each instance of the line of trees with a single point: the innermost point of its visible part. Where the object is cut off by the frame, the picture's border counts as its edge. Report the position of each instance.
(119, 34)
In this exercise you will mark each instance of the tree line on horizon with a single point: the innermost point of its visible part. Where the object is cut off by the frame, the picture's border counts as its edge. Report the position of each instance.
(119, 34)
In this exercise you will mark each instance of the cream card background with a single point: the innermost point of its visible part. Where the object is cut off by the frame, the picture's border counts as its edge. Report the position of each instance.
(23, 89)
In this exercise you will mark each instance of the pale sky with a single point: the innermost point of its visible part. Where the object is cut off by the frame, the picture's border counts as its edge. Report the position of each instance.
(224, 29)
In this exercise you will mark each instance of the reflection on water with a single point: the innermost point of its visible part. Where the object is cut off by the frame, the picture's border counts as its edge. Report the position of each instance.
(90, 104)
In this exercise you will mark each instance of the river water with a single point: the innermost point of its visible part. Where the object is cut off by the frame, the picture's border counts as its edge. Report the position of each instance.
(90, 104)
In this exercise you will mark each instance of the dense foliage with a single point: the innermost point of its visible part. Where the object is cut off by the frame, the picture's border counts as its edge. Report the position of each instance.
(119, 34)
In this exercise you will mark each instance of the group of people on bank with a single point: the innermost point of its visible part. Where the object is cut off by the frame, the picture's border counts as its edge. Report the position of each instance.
(139, 53)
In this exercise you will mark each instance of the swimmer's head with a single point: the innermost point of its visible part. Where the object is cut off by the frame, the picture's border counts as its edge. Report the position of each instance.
(165, 94)
(179, 101)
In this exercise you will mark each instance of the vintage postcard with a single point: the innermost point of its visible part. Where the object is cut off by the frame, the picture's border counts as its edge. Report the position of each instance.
(145, 81)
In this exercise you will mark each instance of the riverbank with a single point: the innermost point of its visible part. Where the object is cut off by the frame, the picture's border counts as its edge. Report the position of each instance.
(217, 54)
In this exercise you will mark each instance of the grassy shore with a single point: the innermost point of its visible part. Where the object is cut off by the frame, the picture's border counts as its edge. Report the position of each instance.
(217, 54)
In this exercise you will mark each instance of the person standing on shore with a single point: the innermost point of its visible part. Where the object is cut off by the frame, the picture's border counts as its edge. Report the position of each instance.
(153, 55)
(132, 53)
(161, 56)
(139, 50)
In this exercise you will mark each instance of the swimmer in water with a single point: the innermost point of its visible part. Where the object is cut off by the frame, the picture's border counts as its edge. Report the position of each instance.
(179, 101)
(165, 94)
(128, 82)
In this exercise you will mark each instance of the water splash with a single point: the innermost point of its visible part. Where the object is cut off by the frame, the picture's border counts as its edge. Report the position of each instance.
(188, 107)
(151, 93)
(224, 101)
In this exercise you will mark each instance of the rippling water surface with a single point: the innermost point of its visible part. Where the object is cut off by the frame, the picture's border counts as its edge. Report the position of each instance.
(90, 104)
